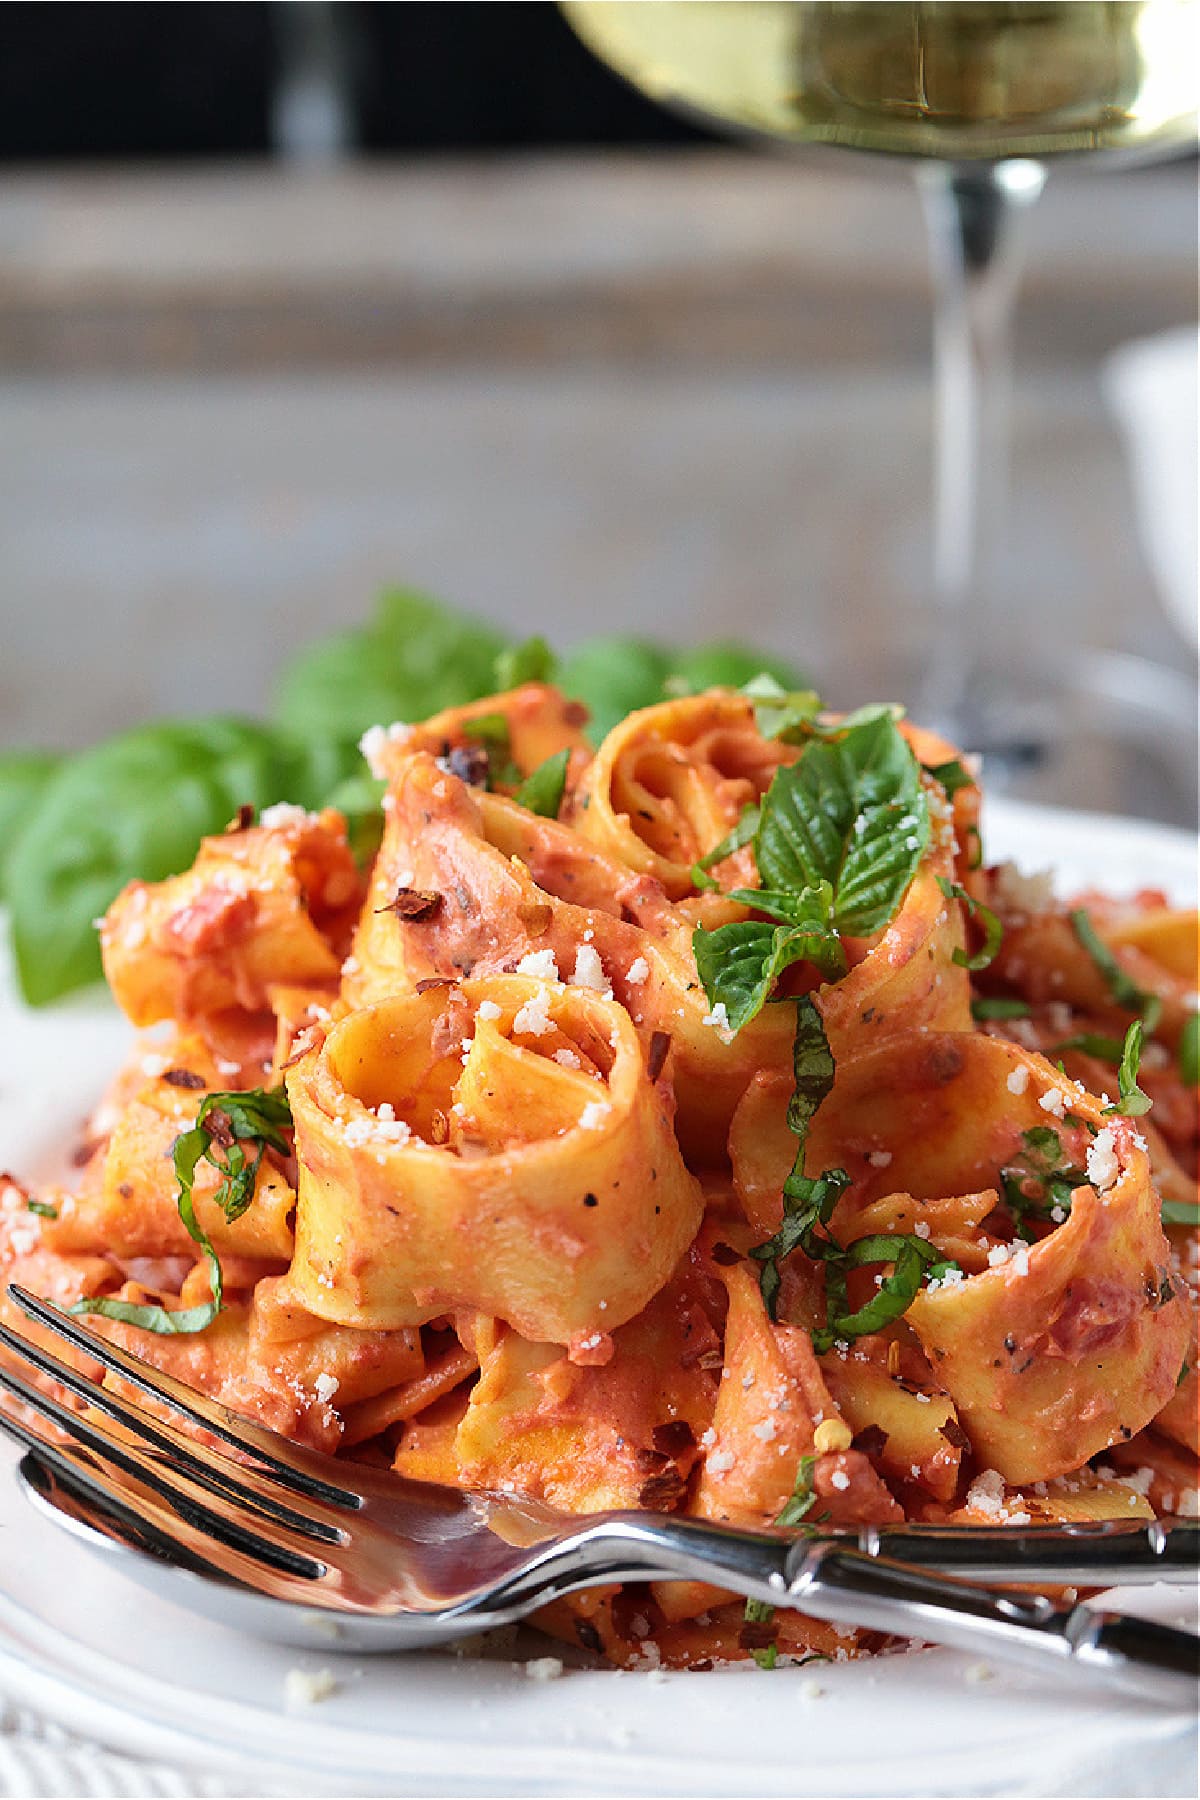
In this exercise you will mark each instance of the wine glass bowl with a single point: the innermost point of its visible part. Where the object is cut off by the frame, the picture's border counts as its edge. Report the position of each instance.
(977, 98)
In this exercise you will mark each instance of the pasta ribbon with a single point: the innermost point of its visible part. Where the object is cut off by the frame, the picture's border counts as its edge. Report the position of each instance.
(493, 1145)
(262, 906)
(670, 782)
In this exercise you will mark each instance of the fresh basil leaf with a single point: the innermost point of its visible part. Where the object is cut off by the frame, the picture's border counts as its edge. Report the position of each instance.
(726, 663)
(951, 776)
(861, 715)
(999, 1007)
(1180, 1212)
(740, 964)
(852, 813)
(532, 660)
(1124, 990)
(1132, 1103)
(1189, 1050)
(135, 807)
(780, 713)
(416, 657)
(24, 776)
(993, 931)
(613, 676)
(542, 791)
(741, 835)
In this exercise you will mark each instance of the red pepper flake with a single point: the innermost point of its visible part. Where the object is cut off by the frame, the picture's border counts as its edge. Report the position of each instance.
(412, 904)
(660, 1045)
(954, 1434)
(674, 1438)
(219, 1127)
(432, 981)
(184, 1078)
(242, 819)
(724, 1255)
(663, 1492)
(871, 1440)
(758, 1634)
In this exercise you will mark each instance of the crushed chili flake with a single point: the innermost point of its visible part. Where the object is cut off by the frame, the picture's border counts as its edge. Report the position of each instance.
(412, 904)
(219, 1127)
(724, 1255)
(954, 1434)
(588, 1636)
(242, 819)
(660, 1047)
(664, 1491)
(758, 1634)
(184, 1078)
(433, 981)
(871, 1440)
(674, 1438)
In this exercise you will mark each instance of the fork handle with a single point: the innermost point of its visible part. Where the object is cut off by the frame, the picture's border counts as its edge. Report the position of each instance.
(847, 1586)
(1156, 1662)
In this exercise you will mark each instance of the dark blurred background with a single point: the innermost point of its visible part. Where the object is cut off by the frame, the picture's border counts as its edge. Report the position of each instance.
(103, 80)
(298, 299)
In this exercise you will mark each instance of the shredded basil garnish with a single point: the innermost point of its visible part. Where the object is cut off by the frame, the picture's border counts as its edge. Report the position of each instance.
(225, 1125)
(778, 713)
(1041, 1164)
(1132, 1102)
(993, 931)
(742, 834)
(951, 775)
(795, 1510)
(42, 1208)
(1189, 1050)
(1124, 990)
(542, 791)
(1000, 1007)
(1180, 1212)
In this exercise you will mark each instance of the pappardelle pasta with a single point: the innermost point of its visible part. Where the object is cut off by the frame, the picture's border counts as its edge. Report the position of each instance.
(700, 1124)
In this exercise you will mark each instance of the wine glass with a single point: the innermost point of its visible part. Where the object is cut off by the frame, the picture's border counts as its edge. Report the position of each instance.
(979, 96)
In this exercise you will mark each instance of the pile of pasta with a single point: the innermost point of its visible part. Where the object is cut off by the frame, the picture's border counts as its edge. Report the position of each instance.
(699, 1124)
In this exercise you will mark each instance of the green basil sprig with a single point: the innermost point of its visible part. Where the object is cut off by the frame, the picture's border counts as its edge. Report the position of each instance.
(226, 1124)
(837, 839)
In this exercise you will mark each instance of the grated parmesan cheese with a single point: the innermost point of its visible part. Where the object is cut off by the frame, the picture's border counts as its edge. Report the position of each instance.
(1102, 1165)
(541, 964)
(1018, 1080)
(589, 972)
(374, 742)
(638, 972)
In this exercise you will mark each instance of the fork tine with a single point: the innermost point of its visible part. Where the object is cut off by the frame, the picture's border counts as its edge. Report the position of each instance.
(193, 1512)
(221, 1476)
(291, 1465)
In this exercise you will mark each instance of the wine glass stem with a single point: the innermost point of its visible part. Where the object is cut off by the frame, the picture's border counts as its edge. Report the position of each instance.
(972, 213)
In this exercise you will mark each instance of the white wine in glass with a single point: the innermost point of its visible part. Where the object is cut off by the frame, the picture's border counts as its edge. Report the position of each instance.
(979, 96)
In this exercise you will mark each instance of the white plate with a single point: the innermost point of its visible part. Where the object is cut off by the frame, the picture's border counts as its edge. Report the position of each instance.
(112, 1662)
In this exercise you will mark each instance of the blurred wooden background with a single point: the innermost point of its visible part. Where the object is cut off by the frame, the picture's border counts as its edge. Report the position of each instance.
(677, 392)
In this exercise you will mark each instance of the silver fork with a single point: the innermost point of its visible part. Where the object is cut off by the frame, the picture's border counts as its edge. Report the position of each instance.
(291, 1545)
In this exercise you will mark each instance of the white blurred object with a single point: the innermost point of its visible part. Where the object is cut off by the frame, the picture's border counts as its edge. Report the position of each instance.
(1151, 386)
